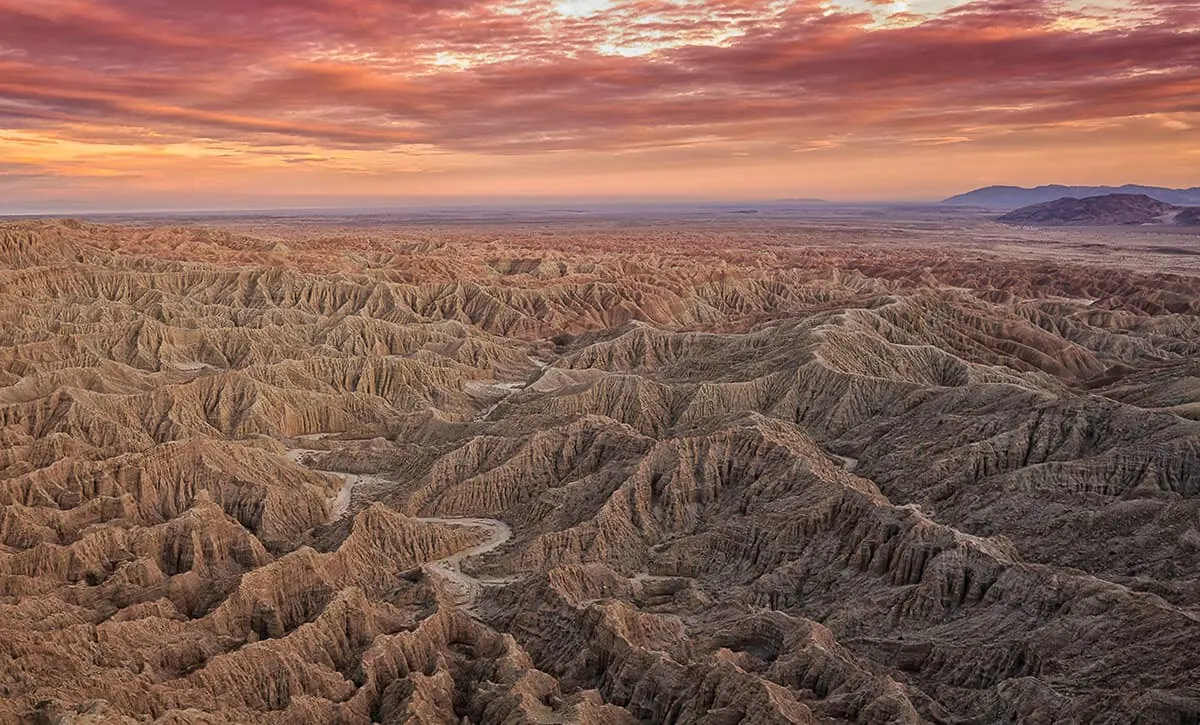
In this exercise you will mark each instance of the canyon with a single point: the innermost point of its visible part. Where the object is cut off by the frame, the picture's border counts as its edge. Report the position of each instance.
(598, 470)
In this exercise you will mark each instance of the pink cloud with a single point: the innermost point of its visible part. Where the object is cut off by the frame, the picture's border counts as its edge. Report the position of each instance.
(486, 77)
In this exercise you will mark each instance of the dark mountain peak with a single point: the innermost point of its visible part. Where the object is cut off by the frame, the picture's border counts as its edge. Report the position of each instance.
(1012, 197)
(1103, 210)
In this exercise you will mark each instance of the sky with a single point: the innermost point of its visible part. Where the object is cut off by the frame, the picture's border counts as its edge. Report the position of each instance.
(162, 104)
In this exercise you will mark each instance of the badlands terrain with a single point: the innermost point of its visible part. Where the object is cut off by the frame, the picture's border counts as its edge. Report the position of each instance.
(919, 468)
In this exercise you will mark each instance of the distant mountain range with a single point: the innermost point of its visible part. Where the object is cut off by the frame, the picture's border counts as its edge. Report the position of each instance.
(1012, 197)
(1103, 210)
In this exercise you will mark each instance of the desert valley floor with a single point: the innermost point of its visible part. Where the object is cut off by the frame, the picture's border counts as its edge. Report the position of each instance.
(736, 469)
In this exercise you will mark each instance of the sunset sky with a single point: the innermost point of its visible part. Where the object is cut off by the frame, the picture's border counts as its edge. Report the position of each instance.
(144, 104)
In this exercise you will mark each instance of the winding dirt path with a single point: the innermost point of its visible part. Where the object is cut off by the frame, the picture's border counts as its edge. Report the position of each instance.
(465, 588)
(848, 463)
(507, 390)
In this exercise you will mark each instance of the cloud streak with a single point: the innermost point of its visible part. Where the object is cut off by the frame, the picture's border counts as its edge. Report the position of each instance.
(372, 84)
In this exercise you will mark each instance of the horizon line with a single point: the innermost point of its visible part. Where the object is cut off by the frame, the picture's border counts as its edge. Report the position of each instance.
(549, 204)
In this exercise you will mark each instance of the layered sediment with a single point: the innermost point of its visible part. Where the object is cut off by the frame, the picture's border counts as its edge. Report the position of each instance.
(436, 477)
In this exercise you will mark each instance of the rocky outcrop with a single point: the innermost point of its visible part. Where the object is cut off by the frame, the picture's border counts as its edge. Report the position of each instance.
(1099, 210)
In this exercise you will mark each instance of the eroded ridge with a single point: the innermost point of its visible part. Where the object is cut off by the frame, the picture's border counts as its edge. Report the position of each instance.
(605, 475)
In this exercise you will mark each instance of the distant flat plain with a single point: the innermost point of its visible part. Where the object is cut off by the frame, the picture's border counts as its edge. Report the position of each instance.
(962, 230)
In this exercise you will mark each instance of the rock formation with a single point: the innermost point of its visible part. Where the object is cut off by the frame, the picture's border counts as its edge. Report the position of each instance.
(1100, 211)
(478, 475)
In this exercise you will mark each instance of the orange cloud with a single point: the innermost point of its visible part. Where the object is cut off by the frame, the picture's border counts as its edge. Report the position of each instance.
(403, 96)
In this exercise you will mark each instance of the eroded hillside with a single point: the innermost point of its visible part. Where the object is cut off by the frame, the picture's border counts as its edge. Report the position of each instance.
(593, 476)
